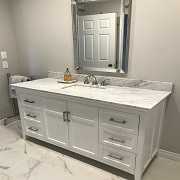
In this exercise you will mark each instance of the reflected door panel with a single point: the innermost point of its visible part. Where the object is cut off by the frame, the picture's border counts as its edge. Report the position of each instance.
(97, 40)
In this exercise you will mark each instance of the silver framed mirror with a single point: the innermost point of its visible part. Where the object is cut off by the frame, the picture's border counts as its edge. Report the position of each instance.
(101, 30)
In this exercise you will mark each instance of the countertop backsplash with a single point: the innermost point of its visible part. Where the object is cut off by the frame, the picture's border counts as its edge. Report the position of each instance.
(122, 82)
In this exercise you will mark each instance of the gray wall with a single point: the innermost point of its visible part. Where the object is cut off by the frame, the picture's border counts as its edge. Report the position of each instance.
(155, 55)
(8, 44)
(44, 35)
(43, 31)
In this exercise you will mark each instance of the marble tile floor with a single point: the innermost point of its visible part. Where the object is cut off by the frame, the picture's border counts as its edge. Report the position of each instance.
(36, 160)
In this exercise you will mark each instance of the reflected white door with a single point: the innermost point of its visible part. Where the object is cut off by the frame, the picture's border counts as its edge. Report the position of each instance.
(97, 40)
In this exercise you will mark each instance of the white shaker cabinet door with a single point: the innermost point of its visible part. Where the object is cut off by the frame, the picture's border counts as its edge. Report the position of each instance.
(56, 129)
(83, 128)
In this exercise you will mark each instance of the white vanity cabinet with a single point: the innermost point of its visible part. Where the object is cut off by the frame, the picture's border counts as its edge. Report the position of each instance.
(71, 125)
(123, 137)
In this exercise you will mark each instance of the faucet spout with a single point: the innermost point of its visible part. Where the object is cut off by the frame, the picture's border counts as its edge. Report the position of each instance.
(94, 80)
(87, 80)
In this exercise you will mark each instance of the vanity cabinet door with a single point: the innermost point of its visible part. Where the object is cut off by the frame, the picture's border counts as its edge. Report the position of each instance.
(83, 129)
(56, 129)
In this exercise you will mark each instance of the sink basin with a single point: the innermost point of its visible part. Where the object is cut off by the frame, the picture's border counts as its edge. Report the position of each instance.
(85, 89)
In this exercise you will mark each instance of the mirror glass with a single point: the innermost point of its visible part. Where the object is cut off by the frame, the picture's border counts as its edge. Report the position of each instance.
(101, 34)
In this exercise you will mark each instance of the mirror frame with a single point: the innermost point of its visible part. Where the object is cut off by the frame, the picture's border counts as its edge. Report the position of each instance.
(121, 65)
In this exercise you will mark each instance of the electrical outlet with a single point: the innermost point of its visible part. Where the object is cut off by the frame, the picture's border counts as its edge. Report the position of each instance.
(5, 64)
(3, 55)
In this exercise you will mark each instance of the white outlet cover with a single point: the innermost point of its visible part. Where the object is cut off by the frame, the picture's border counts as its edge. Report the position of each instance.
(3, 55)
(5, 64)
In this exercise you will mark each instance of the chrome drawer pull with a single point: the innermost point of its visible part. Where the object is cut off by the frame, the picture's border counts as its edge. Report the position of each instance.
(113, 139)
(115, 157)
(28, 115)
(122, 122)
(66, 113)
(26, 100)
(33, 129)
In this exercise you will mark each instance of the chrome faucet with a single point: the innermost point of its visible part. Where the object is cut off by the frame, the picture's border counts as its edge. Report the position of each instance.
(94, 80)
(86, 81)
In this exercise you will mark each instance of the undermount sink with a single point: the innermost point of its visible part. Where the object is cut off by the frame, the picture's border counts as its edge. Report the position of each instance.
(85, 88)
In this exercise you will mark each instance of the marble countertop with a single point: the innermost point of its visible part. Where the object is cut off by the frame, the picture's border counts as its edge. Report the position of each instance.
(131, 97)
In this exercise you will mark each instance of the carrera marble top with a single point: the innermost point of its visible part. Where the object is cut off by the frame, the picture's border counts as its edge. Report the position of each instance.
(113, 94)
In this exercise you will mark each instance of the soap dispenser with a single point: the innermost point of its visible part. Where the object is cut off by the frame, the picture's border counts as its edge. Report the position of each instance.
(67, 75)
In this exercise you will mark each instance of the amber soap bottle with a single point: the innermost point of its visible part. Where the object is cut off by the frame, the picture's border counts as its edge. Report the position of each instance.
(67, 75)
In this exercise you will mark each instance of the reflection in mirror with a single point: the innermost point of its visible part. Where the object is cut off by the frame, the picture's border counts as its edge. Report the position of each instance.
(101, 34)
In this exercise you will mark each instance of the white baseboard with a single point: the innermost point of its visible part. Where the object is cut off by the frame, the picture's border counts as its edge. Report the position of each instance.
(169, 155)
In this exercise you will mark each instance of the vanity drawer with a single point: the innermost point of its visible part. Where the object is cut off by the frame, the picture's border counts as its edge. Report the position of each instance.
(117, 139)
(34, 129)
(119, 120)
(117, 158)
(31, 114)
(30, 101)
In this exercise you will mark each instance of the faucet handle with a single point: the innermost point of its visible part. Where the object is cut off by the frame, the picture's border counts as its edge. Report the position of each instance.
(103, 83)
(86, 80)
